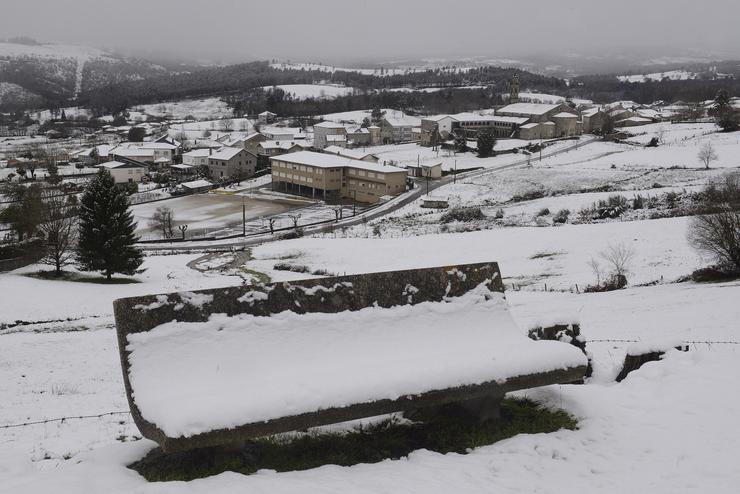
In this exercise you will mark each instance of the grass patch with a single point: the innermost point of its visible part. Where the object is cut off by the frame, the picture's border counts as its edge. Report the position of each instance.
(77, 277)
(448, 429)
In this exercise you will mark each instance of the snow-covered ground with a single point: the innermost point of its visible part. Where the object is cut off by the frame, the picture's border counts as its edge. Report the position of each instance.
(669, 427)
(200, 109)
(673, 75)
(320, 91)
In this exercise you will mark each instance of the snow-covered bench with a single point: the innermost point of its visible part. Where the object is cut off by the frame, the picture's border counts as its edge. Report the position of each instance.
(222, 366)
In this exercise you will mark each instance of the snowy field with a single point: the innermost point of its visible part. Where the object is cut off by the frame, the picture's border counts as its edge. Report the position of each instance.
(673, 75)
(200, 109)
(669, 427)
(320, 91)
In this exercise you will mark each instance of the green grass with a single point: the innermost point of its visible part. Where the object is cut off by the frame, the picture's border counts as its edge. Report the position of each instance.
(449, 430)
(80, 278)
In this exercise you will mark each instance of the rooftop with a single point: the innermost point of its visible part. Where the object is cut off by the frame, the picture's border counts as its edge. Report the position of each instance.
(226, 153)
(527, 108)
(326, 160)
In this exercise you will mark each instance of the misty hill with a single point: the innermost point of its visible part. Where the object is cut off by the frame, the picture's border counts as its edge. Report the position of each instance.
(34, 74)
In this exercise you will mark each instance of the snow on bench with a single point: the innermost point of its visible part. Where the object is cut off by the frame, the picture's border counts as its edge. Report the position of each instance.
(221, 366)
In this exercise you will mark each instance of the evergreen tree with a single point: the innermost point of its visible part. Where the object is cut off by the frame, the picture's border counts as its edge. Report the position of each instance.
(724, 112)
(486, 141)
(107, 238)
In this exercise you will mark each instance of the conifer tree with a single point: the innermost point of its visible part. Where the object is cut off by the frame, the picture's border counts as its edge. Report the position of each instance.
(724, 112)
(107, 238)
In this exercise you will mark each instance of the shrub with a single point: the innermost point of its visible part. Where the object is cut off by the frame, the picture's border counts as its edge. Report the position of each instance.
(561, 216)
(718, 234)
(463, 214)
(613, 207)
(638, 202)
(713, 273)
(543, 212)
(499, 214)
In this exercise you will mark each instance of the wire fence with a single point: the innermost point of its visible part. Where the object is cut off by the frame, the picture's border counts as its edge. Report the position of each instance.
(63, 419)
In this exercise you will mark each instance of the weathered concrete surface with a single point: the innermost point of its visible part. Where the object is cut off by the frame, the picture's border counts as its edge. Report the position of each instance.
(331, 295)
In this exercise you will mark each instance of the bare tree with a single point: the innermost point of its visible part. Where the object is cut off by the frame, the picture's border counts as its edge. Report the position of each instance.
(596, 268)
(619, 258)
(163, 220)
(718, 235)
(59, 229)
(707, 154)
(226, 124)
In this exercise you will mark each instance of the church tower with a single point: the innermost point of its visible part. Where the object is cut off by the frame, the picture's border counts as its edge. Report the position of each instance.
(514, 93)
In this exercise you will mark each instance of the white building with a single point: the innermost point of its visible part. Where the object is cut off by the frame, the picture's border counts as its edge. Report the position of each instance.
(125, 172)
(196, 157)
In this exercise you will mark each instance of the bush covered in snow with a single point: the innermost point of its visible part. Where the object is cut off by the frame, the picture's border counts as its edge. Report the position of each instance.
(463, 214)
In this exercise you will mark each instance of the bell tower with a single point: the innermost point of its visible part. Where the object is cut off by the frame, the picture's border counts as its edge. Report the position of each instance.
(514, 93)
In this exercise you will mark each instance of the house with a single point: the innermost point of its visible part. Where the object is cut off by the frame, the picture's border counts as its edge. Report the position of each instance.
(537, 130)
(275, 148)
(394, 130)
(196, 186)
(231, 163)
(183, 169)
(197, 157)
(354, 154)
(333, 177)
(565, 118)
(425, 170)
(125, 171)
(283, 133)
(358, 136)
(502, 126)
(324, 129)
(593, 120)
(149, 152)
(88, 155)
(435, 129)
(266, 117)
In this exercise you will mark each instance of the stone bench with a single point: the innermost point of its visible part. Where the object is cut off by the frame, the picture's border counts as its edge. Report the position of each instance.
(221, 366)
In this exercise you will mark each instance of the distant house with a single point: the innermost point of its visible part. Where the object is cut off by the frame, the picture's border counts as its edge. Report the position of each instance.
(354, 154)
(149, 152)
(425, 170)
(283, 133)
(124, 172)
(395, 130)
(276, 148)
(196, 186)
(566, 119)
(242, 140)
(88, 155)
(231, 163)
(183, 169)
(266, 117)
(197, 157)
(322, 132)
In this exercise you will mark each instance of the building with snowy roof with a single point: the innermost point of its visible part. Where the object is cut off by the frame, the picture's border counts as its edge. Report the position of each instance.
(231, 163)
(125, 171)
(333, 177)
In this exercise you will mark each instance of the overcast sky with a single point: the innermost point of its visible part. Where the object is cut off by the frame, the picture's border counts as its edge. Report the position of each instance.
(332, 30)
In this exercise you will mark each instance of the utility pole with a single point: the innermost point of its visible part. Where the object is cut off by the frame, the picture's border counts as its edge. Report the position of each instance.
(454, 175)
(244, 218)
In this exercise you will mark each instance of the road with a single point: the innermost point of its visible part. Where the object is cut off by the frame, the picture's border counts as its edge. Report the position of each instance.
(363, 217)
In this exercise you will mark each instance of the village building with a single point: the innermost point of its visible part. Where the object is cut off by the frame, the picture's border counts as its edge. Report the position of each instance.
(93, 155)
(266, 117)
(149, 152)
(196, 186)
(425, 170)
(333, 177)
(395, 130)
(231, 163)
(283, 133)
(329, 133)
(354, 154)
(566, 119)
(182, 169)
(276, 148)
(249, 142)
(125, 171)
(197, 157)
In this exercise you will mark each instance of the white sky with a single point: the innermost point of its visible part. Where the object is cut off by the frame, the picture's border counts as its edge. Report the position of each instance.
(231, 30)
